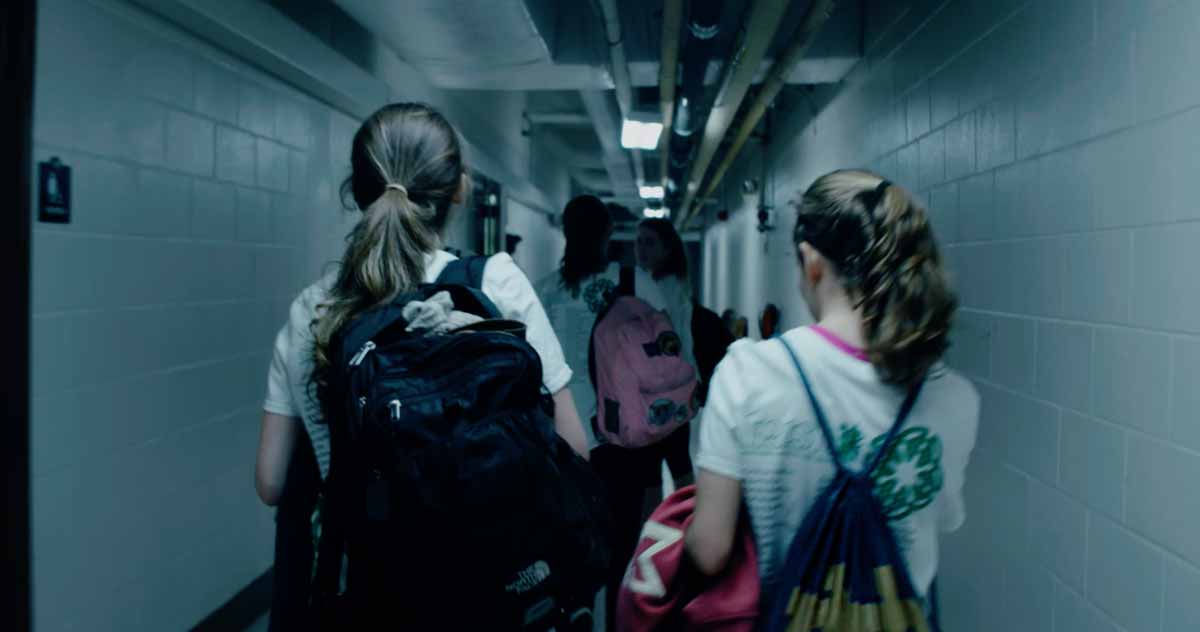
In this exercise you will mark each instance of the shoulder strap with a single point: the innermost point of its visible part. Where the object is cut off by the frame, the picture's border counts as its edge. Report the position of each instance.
(625, 286)
(905, 409)
(467, 271)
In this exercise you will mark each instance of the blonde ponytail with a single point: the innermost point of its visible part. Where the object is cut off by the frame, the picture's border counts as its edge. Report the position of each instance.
(906, 299)
(880, 240)
(406, 168)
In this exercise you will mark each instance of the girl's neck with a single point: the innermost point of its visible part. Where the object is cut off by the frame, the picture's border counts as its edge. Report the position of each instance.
(846, 323)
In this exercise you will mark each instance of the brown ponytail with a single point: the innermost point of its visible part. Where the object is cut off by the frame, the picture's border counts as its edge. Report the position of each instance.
(880, 240)
(406, 167)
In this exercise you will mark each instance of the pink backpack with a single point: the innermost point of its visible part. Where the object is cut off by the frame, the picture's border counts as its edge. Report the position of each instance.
(645, 389)
(659, 593)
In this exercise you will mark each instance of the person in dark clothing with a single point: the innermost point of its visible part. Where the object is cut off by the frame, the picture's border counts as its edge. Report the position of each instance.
(711, 338)
(294, 550)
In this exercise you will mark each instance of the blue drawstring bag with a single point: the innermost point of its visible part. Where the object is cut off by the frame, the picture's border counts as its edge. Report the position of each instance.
(844, 571)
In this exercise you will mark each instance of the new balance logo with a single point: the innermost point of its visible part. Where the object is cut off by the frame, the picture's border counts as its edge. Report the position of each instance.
(650, 583)
(529, 578)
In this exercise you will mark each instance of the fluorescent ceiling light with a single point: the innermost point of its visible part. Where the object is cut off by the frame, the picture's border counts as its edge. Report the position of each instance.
(650, 192)
(656, 213)
(640, 135)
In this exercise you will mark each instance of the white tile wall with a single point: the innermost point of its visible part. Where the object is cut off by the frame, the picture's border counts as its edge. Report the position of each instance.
(1092, 463)
(1125, 576)
(204, 199)
(1072, 240)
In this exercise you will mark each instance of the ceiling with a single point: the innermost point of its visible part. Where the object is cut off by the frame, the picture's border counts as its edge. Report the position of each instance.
(556, 52)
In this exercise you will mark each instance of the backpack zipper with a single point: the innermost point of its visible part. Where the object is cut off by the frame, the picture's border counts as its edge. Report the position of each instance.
(362, 353)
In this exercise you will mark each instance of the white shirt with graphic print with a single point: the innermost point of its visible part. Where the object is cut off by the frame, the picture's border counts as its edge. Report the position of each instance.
(572, 315)
(759, 428)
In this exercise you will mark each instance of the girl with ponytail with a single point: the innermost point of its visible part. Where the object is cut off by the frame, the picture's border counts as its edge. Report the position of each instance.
(578, 290)
(407, 171)
(872, 276)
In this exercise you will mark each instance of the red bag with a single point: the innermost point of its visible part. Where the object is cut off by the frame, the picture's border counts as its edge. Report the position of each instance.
(658, 593)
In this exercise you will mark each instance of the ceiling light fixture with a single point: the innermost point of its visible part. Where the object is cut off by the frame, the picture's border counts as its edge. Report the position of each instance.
(656, 213)
(640, 135)
(650, 192)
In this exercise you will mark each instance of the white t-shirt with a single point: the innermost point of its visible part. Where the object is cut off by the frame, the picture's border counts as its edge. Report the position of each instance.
(288, 387)
(573, 315)
(759, 428)
(669, 294)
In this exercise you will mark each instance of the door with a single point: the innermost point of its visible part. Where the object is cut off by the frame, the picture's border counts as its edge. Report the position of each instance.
(16, 116)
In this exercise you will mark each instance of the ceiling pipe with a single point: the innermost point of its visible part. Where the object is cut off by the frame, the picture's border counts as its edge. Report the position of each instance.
(763, 21)
(591, 180)
(704, 24)
(621, 81)
(639, 168)
(616, 54)
(698, 51)
(606, 120)
(815, 17)
(563, 119)
(672, 21)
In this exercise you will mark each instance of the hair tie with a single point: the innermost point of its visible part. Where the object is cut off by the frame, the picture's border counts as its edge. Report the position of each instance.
(397, 187)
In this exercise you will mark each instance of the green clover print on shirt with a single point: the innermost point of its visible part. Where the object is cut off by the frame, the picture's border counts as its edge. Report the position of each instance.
(599, 294)
(910, 476)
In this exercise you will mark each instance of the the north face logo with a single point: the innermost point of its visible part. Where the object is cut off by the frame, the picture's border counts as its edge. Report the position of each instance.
(529, 578)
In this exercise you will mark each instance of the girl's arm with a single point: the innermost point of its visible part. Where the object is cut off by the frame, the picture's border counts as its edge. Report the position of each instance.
(567, 423)
(709, 539)
(275, 443)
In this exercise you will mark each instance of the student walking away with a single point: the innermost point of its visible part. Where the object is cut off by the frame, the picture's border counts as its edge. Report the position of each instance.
(846, 441)
(575, 294)
(420, 379)
(712, 339)
(642, 367)
(295, 546)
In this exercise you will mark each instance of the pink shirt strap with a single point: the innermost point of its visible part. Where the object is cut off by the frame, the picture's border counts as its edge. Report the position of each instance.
(835, 340)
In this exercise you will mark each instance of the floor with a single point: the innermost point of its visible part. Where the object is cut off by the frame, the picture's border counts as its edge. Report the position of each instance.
(260, 625)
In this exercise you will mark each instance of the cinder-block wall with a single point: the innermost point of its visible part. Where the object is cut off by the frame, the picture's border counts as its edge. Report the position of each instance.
(205, 197)
(1057, 145)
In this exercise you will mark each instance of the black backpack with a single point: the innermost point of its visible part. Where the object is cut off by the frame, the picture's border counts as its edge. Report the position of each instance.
(458, 505)
(710, 340)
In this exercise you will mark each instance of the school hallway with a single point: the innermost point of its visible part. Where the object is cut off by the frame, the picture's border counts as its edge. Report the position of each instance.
(182, 185)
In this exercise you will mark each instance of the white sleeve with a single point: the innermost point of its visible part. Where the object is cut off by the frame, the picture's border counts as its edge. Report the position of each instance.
(955, 458)
(647, 289)
(718, 451)
(510, 290)
(279, 398)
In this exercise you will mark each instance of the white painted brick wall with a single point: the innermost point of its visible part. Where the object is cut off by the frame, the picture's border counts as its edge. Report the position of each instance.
(1055, 143)
(205, 197)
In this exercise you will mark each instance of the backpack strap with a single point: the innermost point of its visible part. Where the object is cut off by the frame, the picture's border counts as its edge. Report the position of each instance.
(625, 285)
(467, 271)
(826, 432)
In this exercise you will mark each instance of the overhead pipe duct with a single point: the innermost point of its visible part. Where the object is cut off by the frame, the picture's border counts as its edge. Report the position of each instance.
(672, 20)
(616, 54)
(704, 24)
(760, 30)
(624, 88)
(563, 119)
(606, 120)
(591, 180)
(698, 50)
(817, 15)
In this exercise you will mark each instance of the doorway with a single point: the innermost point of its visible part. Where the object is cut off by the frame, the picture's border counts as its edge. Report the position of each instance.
(16, 113)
